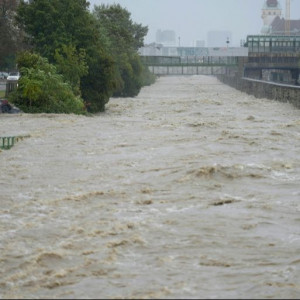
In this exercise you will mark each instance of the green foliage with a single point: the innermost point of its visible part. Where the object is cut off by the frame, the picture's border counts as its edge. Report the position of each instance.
(126, 37)
(8, 61)
(65, 32)
(148, 78)
(130, 69)
(10, 35)
(98, 85)
(42, 89)
(72, 64)
(52, 24)
(94, 53)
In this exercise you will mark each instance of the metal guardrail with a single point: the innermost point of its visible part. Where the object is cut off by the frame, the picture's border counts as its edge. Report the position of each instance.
(8, 142)
(272, 83)
(201, 61)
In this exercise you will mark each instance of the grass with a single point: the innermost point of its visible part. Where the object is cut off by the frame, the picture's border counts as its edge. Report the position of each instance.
(2, 94)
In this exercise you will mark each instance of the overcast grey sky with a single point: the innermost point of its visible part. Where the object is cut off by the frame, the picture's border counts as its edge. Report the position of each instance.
(192, 19)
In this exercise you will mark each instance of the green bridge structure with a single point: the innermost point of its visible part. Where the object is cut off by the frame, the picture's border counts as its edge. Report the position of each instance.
(192, 65)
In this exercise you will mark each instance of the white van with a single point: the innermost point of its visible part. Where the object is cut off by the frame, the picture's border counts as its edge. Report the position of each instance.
(13, 76)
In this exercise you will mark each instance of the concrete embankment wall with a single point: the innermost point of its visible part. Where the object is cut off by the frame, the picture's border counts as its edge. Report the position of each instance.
(264, 89)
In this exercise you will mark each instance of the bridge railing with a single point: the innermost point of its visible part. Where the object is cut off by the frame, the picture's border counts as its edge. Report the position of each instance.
(7, 142)
(189, 60)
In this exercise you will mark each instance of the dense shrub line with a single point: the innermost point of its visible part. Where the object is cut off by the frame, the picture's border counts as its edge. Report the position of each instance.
(72, 60)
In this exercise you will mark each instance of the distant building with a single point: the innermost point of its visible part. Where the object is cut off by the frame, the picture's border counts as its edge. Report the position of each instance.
(219, 38)
(278, 27)
(200, 44)
(273, 24)
(271, 9)
(273, 45)
(166, 37)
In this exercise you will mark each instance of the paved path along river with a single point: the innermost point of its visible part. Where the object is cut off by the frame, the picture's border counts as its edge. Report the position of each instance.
(190, 190)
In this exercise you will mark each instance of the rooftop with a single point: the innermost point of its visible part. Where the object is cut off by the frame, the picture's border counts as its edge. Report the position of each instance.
(272, 4)
(278, 26)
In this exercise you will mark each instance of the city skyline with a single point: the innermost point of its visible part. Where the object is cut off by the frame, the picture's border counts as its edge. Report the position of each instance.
(193, 19)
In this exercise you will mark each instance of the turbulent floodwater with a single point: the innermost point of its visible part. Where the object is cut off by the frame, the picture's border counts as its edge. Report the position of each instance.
(190, 190)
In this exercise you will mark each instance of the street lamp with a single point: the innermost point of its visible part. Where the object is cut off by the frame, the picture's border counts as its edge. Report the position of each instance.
(227, 42)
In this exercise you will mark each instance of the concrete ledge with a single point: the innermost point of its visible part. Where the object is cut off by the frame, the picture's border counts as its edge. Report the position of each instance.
(264, 89)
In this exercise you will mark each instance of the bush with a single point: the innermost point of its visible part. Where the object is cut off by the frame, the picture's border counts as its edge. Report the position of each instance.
(42, 90)
(100, 82)
(148, 78)
(133, 75)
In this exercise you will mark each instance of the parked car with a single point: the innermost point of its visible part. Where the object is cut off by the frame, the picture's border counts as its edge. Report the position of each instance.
(13, 75)
(3, 75)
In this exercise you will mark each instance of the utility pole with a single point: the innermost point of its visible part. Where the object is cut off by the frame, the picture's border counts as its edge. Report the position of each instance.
(287, 17)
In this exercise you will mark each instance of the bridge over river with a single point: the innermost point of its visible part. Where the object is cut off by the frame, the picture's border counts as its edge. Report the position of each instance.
(279, 67)
(175, 65)
(189, 190)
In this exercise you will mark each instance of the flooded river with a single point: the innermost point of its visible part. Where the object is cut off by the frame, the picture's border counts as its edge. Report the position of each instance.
(190, 190)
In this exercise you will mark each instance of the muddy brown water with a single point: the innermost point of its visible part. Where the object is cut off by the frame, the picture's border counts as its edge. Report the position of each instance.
(190, 190)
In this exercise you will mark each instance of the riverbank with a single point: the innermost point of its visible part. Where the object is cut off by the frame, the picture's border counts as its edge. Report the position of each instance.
(264, 89)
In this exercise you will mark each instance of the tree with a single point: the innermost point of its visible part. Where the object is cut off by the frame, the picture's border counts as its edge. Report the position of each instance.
(10, 35)
(7, 7)
(96, 53)
(72, 64)
(64, 32)
(52, 24)
(98, 86)
(126, 37)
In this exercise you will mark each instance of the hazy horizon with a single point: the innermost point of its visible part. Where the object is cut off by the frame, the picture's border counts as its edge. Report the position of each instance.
(193, 19)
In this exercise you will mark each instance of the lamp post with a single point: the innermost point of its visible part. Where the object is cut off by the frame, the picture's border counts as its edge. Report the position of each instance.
(227, 42)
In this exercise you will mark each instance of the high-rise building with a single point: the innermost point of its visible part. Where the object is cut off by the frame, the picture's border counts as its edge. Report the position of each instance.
(166, 37)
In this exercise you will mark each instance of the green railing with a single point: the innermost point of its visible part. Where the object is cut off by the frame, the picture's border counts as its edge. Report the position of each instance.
(9, 141)
(192, 61)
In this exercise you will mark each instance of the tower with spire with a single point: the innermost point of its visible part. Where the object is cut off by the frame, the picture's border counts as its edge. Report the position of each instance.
(270, 11)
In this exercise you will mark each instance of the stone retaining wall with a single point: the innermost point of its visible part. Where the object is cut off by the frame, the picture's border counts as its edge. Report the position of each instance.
(263, 89)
